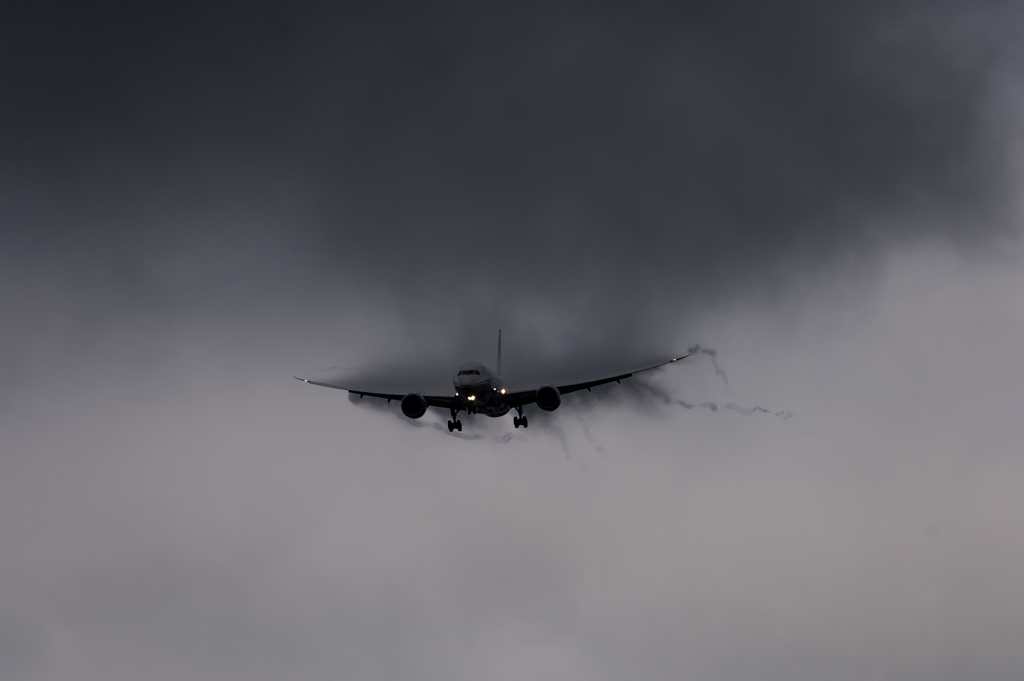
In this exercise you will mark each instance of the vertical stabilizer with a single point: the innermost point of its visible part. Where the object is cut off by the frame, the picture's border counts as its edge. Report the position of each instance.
(499, 352)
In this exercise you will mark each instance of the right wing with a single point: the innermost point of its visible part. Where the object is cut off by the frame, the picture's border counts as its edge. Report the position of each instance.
(443, 401)
(518, 399)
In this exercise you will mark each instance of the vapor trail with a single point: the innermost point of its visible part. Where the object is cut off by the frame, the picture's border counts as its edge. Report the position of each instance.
(714, 362)
(590, 438)
(747, 412)
(560, 434)
(732, 406)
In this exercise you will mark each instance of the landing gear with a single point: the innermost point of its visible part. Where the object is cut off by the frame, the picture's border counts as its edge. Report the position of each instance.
(455, 423)
(519, 420)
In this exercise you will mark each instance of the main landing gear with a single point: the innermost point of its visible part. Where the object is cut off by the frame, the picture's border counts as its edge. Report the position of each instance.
(520, 420)
(454, 424)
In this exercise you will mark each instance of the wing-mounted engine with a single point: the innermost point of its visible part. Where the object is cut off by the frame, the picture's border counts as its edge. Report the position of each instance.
(548, 398)
(414, 405)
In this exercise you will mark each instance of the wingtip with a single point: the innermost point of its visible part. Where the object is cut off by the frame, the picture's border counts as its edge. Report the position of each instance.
(676, 359)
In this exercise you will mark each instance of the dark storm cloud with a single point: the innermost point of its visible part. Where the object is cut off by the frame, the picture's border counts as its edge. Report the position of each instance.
(468, 161)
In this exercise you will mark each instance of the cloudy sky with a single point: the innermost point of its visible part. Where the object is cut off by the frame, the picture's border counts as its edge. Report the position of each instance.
(197, 202)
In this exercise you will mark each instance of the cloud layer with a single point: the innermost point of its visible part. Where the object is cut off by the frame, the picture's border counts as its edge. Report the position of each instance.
(200, 202)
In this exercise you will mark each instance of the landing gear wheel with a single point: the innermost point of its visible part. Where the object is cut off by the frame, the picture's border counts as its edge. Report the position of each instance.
(524, 422)
(451, 426)
(519, 420)
(458, 426)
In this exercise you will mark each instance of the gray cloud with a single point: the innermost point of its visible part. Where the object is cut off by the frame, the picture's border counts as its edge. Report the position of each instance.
(197, 203)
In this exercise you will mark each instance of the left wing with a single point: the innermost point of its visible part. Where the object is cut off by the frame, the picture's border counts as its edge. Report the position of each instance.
(443, 401)
(522, 397)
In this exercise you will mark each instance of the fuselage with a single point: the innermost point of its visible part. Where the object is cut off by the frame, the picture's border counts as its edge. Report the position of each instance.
(480, 390)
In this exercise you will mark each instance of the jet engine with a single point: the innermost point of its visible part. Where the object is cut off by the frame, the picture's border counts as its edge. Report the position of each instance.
(414, 405)
(548, 398)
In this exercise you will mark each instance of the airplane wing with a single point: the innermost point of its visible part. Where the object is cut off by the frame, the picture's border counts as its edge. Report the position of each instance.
(518, 399)
(443, 401)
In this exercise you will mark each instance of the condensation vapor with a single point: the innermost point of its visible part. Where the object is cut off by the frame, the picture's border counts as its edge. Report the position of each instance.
(657, 392)
(712, 406)
(714, 362)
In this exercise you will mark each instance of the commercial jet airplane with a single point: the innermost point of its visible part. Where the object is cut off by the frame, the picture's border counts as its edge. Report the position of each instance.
(478, 390)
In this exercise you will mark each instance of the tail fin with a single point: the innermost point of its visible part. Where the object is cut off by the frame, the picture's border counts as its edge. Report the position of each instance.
(499, 352)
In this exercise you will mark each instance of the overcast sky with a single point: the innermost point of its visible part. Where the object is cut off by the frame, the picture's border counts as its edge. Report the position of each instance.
(198, 202)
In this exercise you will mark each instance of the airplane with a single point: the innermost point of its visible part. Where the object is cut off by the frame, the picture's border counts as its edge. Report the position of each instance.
(479, 390)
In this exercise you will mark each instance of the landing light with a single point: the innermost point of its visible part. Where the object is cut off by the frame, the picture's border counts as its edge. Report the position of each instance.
(502, 391)
(472, 397)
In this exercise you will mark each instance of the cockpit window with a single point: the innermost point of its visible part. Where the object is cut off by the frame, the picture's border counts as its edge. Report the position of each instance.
(467, 372)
